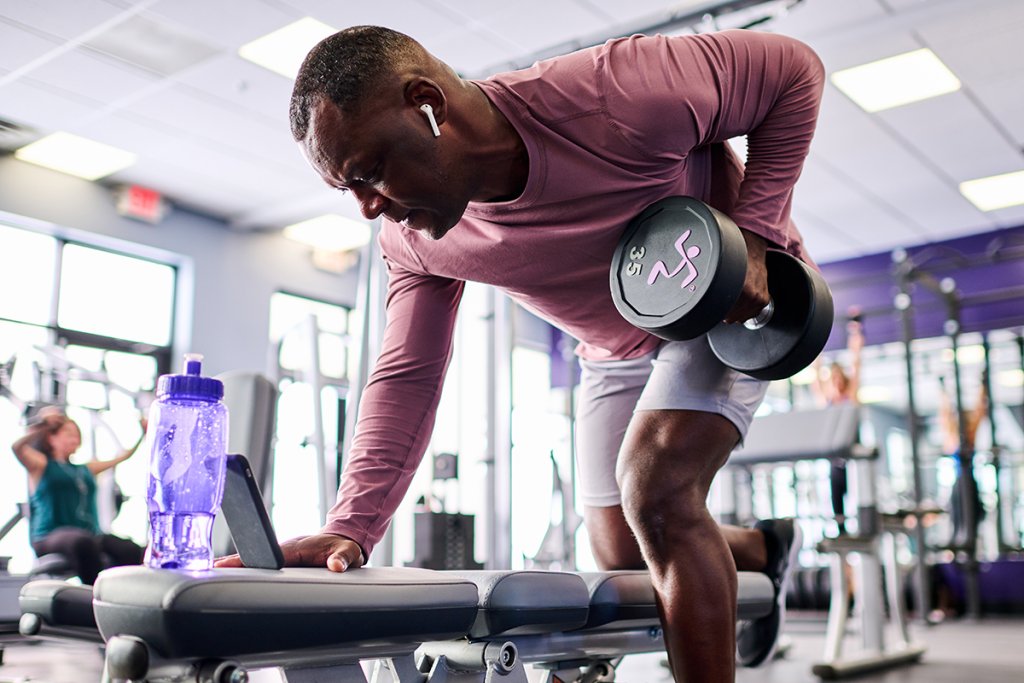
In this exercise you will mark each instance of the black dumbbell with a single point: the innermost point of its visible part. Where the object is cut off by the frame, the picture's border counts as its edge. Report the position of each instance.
(679, 268)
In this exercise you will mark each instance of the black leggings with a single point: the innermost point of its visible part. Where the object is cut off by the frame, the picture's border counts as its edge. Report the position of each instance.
(89, 553)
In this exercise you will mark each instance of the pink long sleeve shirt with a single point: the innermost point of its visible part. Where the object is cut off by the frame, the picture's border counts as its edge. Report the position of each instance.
(608, 131)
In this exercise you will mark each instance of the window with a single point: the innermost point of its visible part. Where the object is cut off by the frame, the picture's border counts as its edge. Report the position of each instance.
(116, 296)
(299, 456)
(89, 330)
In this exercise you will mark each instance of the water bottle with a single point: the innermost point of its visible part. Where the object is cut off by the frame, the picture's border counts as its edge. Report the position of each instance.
(188, 426)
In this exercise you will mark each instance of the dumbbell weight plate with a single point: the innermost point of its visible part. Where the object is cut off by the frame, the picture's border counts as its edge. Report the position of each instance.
(674, 288)
(795, 335)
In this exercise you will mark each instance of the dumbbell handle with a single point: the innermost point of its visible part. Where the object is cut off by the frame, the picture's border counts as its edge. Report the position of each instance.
(762, 318)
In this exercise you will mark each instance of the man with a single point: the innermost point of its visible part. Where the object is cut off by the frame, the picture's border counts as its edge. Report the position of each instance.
(525, 181)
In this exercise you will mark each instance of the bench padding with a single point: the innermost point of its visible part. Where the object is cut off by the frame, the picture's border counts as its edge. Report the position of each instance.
(233, 612)
(58, 603)
(625, 599)
(527, 602)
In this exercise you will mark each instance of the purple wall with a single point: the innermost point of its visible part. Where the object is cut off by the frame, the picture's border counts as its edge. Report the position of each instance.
(988, 269)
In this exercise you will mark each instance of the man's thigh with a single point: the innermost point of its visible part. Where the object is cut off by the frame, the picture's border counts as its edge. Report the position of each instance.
(679, 376)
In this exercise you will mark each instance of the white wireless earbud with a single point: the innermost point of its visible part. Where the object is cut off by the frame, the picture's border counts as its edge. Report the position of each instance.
(429, 111)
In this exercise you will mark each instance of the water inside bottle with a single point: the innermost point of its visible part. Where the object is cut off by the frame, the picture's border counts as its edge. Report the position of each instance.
(180, 541)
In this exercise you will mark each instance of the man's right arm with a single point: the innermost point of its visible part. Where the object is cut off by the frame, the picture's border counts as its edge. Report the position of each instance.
(398, 406)
(396, 417)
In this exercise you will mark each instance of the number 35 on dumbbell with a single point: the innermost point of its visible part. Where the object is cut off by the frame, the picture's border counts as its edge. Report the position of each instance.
(679, 269)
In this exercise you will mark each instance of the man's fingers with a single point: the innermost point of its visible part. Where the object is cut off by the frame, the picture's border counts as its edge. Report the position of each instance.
(335, 552)
(228, 561)
(337, 562)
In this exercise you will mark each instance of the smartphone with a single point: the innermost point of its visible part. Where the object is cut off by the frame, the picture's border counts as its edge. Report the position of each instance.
(247, 517)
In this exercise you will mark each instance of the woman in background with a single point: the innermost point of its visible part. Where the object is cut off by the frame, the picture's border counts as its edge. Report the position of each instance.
(62, 500)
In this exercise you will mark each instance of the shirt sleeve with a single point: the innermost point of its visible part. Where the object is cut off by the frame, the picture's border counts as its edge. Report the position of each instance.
(398, 406)
(671, 95)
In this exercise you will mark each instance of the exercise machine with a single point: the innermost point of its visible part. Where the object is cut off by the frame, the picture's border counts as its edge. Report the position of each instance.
(832, 433)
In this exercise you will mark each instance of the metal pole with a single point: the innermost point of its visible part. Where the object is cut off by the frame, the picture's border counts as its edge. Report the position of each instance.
(994, 448)
(569, 355)
(967, 492)
(902, 303)
(499, 430)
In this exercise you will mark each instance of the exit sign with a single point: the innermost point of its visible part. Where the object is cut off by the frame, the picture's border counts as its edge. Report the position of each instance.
(141, 203)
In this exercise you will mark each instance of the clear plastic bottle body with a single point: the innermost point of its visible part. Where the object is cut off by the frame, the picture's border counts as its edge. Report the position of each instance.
(188, 456)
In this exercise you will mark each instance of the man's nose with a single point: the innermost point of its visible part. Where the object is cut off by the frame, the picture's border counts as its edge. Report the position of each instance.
(371, 203)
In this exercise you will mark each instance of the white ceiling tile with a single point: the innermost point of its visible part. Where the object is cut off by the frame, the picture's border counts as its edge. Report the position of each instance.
(64, 19)
(19, 47)
(951, 21)
(1004, 100)
(468, 51)
(243, 84)
(954, 135)
(199, 115)
(417, 19)
(844, 203)
(814, 18)
(135, 134)
(1012, 216)
(93, 76)
(472, 11)
(41, 107)
(996, 55)
(228, 23)
(637, 10)
(535, 25)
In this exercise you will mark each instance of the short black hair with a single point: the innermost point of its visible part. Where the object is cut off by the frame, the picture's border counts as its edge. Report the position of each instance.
(342, 67)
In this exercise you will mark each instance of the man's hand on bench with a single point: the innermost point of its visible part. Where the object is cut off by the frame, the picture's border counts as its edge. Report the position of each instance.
(337, 553)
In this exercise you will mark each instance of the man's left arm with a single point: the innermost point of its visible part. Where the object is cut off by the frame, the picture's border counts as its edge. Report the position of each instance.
(671, 96)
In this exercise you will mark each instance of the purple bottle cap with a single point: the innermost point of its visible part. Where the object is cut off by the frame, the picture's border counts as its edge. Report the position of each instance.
(191, 384)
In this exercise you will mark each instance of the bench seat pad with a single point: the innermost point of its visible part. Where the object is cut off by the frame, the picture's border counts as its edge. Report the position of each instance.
(527, 602)
(625, 599)
(234, 612)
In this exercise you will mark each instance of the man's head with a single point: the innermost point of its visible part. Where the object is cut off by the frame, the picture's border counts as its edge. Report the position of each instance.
(356, 112)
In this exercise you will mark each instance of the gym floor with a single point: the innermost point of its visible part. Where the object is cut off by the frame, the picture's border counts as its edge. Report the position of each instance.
(979, 652)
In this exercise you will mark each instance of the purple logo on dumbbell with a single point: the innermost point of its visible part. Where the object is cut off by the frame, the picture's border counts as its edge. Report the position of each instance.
(687, 254)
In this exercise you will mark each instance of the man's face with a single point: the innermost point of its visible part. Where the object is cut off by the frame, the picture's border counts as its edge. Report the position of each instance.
(387, 157)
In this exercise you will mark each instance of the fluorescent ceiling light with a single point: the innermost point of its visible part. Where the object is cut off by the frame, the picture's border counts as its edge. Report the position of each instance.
(995, 192)
(77, 156)
(330, 232)
(896, 81)
(283, 50)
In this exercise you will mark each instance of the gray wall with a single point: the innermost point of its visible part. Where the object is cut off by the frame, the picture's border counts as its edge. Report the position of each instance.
(226, 278)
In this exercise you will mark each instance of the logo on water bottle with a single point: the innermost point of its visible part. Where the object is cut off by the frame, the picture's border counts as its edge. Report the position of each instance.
(687, 255)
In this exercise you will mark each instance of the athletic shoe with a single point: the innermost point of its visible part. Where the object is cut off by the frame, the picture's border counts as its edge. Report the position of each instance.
(757, 640)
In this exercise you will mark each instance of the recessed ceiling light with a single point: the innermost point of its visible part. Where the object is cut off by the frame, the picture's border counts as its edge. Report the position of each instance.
(895, 81)
(283, 50)
(995, 192)
(76, 156)
(330, 232)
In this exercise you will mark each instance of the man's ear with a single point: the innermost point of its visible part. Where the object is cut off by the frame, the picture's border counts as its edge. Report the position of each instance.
(420, 91)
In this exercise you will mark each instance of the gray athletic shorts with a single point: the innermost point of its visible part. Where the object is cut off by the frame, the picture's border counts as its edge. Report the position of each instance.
(677, 376)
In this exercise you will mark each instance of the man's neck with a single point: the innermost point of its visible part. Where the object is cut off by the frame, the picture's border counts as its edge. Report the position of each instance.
(495, 148)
